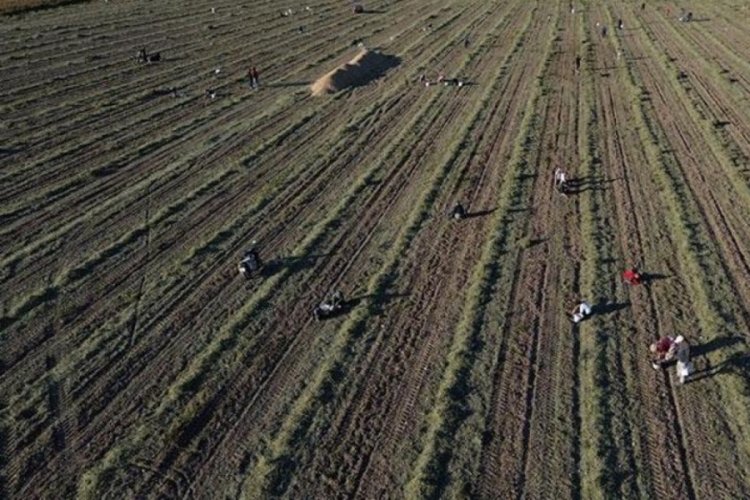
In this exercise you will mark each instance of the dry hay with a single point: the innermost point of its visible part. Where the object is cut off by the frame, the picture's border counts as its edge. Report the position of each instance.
(365, 67)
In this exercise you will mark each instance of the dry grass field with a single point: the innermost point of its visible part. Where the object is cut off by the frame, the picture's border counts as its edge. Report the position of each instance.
(136, 362)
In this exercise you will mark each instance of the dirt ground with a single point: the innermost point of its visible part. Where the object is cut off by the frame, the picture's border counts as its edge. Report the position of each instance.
(136, 362)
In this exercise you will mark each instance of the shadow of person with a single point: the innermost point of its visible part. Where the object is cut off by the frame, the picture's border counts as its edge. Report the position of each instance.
(579, 185)
(481, 213)
(713, 345)
(376, 299)
(293, 264)
(651, 277)
(9, 151)
(738, 364)
(289, 84)
(605, 307)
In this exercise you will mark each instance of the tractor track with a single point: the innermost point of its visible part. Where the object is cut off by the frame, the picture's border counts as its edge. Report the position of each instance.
(550, 397)
(385, 430)
(403, 417)
(670, 471)
(520, 337)
(529, 467)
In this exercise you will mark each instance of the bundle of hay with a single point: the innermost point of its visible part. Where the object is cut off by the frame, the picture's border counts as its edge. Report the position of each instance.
(365, 67)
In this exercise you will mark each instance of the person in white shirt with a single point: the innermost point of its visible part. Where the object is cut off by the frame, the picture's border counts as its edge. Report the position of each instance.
(581, 311)
(560, 178)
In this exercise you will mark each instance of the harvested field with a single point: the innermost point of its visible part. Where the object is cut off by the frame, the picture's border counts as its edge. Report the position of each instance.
(136, 362)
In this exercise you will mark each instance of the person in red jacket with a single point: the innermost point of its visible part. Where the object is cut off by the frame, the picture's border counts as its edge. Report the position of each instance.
(663, 350)
(632, 276)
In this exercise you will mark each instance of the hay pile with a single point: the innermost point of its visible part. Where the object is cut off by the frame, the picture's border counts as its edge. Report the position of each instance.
(365, 67)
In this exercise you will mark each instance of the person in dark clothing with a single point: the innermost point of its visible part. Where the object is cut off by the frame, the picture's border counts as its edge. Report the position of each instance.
(329, 307)
(250, 263)
(578, 64)
(620, 24)
(458, 211)
(255, 77)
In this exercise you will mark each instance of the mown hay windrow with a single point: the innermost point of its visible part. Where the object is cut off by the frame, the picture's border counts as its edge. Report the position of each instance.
(368, 65)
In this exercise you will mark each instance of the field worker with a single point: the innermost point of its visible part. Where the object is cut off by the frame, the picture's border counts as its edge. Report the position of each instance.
(643, 6)
(663, 351)
(632, 276)
(458, 211)
(578, 64)
(255, 76)
(620, 24)
(604, 31)
(684, 366)
(581, 311)
(560, 179)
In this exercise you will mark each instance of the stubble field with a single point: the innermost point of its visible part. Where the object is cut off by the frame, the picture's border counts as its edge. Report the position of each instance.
(136, 362)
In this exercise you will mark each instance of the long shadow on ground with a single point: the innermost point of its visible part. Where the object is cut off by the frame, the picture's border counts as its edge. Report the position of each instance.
(294, 264)
(591, 183)
(480, 213)
(606, 307)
